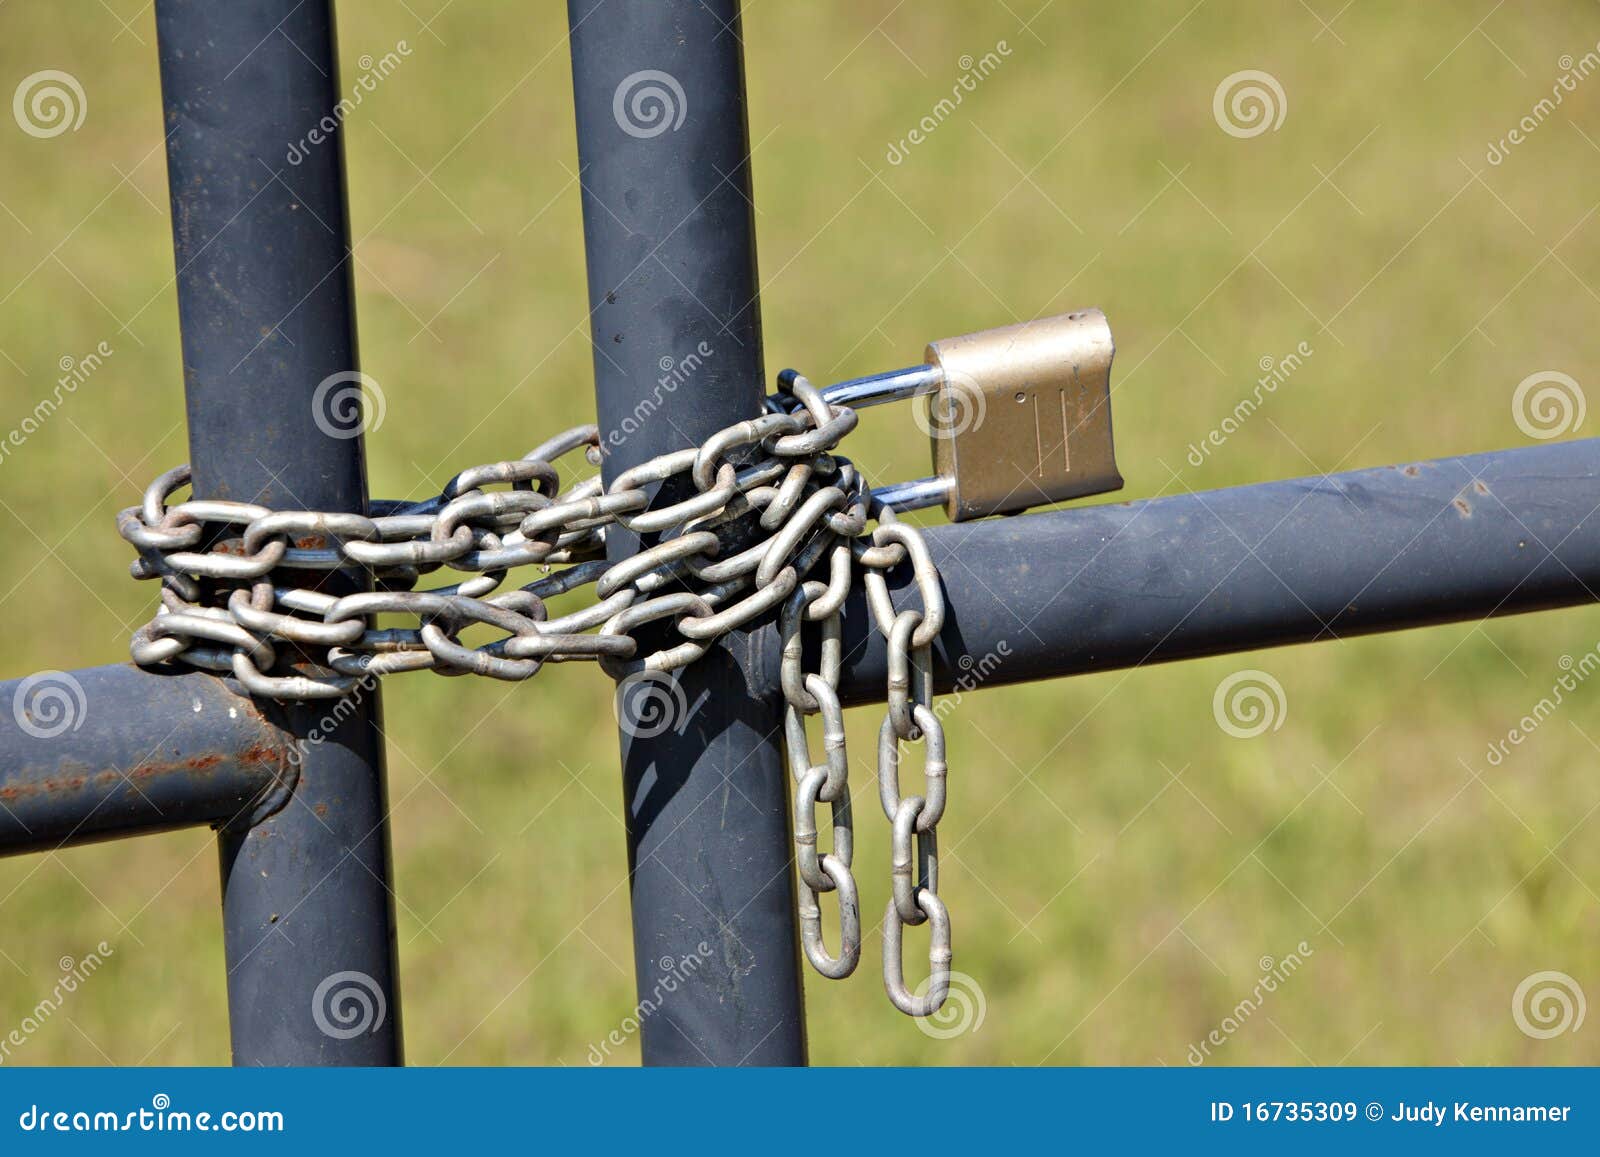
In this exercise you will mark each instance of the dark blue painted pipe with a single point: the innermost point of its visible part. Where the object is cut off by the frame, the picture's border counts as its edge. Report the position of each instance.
(670, 242)
(268, 318)
(1124, 584)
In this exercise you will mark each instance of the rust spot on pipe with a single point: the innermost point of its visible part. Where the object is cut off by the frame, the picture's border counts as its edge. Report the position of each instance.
(20, 791)
(262, 752)
(66, 777)
(1463, 507)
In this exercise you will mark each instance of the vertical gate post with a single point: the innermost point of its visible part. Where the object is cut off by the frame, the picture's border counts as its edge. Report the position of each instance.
(269, 360)
(670, 243)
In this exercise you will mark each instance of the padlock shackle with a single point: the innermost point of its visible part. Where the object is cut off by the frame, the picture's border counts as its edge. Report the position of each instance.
(918, 495)
(873, 390)
(877, 389)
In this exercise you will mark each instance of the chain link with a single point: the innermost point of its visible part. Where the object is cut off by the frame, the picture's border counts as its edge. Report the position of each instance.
(765, 503)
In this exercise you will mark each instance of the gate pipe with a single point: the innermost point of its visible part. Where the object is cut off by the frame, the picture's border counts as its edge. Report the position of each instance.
(670, 245)
(267, 314)
(1123, 584)
(115, 751)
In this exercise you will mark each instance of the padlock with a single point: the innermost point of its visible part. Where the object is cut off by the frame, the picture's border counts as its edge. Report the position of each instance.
(1019, 416)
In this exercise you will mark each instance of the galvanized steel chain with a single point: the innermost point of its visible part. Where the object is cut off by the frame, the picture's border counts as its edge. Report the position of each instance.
(914, 819)
(817, 693)
(231, 602)
(228, 607)
(910, 717)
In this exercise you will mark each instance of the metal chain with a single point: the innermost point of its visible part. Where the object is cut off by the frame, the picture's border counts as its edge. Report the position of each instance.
(773, 478)
(807, 694)
(910, 718)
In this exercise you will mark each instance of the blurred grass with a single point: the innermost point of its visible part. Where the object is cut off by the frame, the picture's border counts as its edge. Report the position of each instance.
(1117, 866)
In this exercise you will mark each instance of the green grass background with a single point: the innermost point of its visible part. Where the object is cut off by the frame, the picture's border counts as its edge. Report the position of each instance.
(1116, 865)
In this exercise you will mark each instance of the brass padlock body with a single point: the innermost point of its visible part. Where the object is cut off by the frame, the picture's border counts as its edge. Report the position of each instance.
(1023, 417)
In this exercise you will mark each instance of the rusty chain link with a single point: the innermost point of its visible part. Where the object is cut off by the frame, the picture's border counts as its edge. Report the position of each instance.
(765, 502)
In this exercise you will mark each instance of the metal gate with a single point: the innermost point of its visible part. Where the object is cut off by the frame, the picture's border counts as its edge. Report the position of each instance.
(306, 888)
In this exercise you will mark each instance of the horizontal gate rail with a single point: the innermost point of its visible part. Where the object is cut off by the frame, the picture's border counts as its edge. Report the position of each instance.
(115, 751)
(1073, 591)
(1119, 585)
